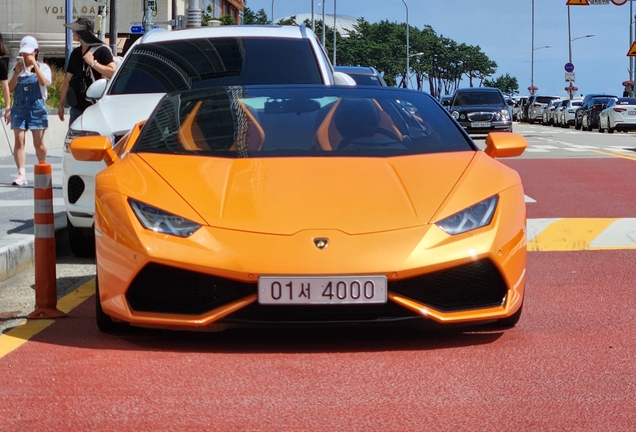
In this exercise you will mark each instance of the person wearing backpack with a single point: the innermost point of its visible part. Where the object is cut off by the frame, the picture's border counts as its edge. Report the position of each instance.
(90, 61)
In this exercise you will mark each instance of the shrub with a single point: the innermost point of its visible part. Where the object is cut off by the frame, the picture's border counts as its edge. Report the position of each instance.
(57, 79)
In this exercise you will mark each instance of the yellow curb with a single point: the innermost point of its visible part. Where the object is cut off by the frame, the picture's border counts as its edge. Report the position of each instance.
(21, 334)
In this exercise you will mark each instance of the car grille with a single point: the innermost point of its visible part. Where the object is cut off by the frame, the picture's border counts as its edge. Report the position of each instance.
(75, 188)
(480, 116)
(471, 286)
(163, 289)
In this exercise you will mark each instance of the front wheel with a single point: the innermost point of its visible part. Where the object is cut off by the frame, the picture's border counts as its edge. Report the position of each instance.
(105, 323)
(81, 240)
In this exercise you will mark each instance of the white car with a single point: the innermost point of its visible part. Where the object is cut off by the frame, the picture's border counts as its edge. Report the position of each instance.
(163, 61)
(558, 112)
(568, 114)
(620, 114)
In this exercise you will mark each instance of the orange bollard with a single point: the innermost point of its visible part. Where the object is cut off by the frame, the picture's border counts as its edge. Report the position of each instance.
(44, 229)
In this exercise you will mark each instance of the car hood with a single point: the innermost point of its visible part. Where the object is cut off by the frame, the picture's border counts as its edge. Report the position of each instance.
(476, 108)
(117, 114)
(287, 195)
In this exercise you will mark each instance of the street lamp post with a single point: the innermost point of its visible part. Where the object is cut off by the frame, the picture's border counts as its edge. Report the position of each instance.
(272, 11)
(570, 40)
(532, 88)
(334, 32)
(408, 66)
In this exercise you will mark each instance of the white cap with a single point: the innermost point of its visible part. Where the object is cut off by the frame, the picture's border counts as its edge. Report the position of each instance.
(28, 44)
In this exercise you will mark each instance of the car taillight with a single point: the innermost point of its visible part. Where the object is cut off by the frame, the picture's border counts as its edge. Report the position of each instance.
(620, 109)
(537, 105)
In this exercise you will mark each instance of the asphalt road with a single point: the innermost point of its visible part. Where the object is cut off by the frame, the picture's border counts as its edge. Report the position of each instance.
(570, 364)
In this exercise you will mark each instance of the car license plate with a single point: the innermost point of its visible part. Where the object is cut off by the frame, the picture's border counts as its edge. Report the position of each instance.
(305, 290)
(631, 112)
(480, 124)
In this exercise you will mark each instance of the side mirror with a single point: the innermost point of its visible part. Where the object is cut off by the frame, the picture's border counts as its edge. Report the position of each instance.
(97, 89)
(511, 102)
(93, 149)
(505, 144)
(341, 78)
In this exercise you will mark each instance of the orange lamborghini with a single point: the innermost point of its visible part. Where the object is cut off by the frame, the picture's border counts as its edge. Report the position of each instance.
(298, 205)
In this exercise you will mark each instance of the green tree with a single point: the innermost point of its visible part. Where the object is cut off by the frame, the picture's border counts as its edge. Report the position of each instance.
(251, 17)
(506, 83)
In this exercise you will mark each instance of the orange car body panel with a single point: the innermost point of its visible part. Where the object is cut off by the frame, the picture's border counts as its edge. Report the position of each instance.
(259, 217)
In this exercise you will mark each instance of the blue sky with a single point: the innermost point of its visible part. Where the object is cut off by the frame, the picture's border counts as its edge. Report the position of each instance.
(503, 29)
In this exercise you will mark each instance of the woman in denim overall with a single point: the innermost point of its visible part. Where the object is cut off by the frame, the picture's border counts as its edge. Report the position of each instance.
(29, 112)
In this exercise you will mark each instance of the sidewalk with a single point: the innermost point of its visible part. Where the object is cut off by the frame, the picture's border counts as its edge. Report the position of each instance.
(16, 203)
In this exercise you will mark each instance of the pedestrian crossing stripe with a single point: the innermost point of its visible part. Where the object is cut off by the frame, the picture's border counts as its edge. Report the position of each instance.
(578, 234)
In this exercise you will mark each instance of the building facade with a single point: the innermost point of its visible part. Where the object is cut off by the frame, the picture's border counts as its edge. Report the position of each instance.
(44, 19)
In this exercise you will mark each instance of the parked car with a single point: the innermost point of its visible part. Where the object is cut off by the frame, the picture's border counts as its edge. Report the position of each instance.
(536, 105)
(363, 75)
(548, 112)
(590, 115)
(619, 114)
(163, 61)
(446, 101)
(558, 111)
(481, 110)
(569, 111)
(195, 228)
(586, 105)
(517, 109)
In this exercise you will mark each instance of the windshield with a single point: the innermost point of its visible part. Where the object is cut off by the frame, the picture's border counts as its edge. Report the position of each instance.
(174, 65)
(312, 121)
(480, 98)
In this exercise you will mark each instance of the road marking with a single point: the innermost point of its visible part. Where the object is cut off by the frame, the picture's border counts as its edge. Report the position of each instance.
(616, 155)
(621, 233)
(528, 199)
(577, 234)
(18, 336)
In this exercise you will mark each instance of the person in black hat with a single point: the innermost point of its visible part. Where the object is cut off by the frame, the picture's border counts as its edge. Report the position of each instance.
(90, 61)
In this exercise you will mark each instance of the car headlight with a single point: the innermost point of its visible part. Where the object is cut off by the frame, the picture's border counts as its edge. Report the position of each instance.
(455, 114)
(473, 217)
(72, 134)
(502, 115)
(161, 221)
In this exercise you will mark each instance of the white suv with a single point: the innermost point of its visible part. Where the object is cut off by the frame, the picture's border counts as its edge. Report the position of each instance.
(163, 61)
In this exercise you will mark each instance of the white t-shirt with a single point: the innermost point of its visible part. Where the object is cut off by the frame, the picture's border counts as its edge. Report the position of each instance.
(46, 71)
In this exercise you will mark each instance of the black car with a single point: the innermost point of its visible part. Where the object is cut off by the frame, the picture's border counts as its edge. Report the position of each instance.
(362, 75)
(589, 111)
(481, 110)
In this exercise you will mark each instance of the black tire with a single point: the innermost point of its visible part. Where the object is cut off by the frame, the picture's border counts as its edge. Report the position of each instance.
(600, 129)
(577, 126)
(81, 240)
(509, 322)
(105, 323)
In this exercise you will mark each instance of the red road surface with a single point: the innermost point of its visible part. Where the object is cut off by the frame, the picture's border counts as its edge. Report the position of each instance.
(569, 365)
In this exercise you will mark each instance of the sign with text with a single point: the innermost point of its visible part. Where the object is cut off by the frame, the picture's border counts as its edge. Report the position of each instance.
(569, 77)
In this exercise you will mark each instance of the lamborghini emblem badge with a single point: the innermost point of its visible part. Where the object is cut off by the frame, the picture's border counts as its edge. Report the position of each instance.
(321, 242)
